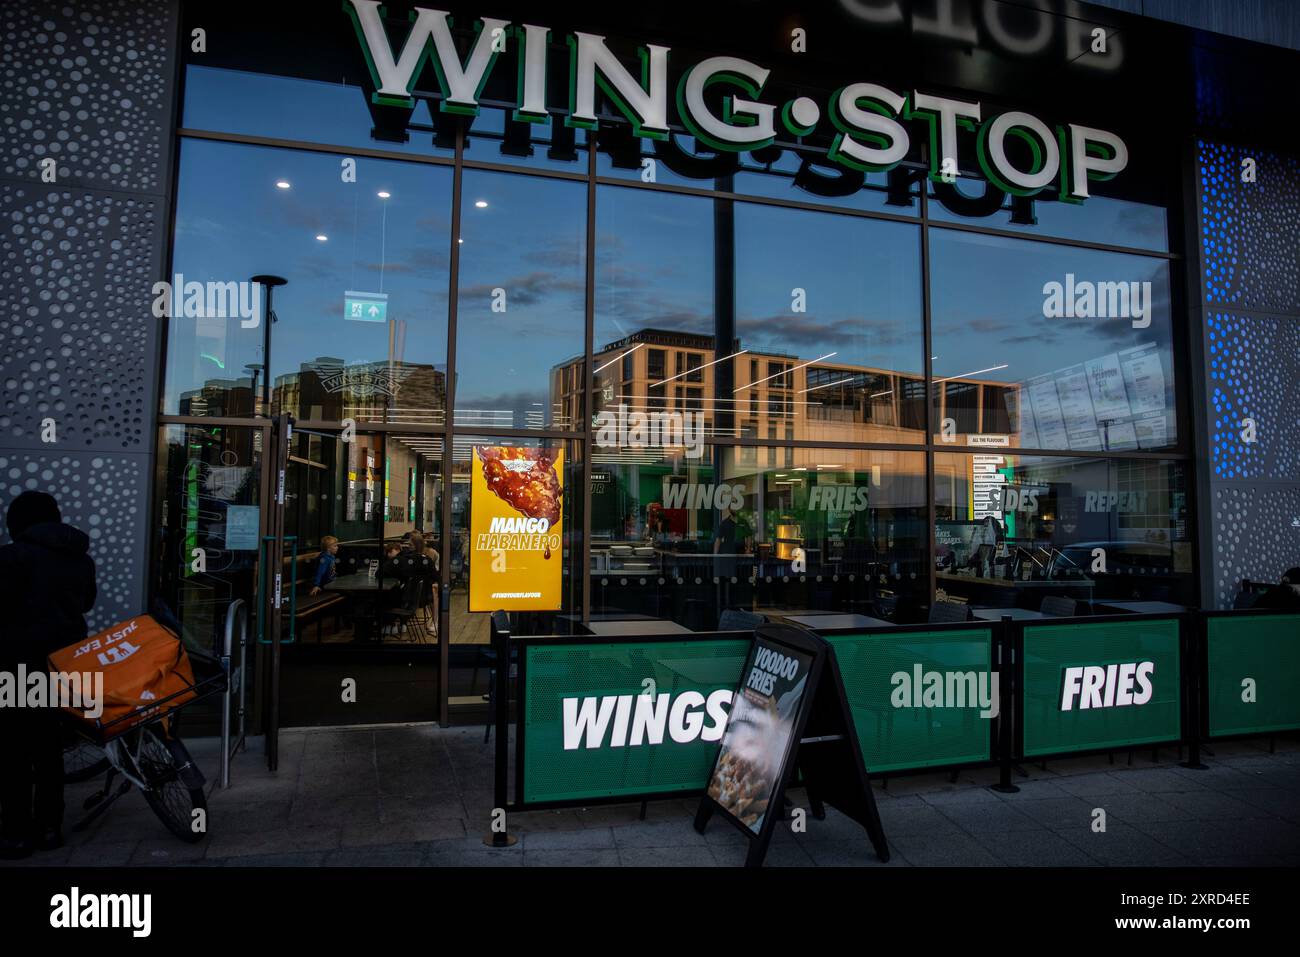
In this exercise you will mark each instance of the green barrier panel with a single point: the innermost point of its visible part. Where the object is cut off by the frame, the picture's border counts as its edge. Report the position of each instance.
(898, 725)
(1060, 666)
(1263, 650)
(613, 737)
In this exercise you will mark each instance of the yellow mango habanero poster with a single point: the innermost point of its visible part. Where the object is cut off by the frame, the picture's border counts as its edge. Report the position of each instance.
(516, 529)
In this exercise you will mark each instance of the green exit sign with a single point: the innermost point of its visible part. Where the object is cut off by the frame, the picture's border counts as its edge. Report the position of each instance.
(365, 306)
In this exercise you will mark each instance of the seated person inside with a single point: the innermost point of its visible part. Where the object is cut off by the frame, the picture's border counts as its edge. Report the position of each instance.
(326, 564)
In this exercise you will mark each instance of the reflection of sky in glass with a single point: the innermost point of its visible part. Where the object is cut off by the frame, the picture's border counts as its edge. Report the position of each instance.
(861, 279)
(288, 108)
(988, 306)
(531, 144)
(654, 263)
(988, 324)
(1099, 219)
(530, 242)
(233, 222)
(769, 177)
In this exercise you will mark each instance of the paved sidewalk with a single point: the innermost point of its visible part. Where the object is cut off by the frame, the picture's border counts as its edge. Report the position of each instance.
(421, 795)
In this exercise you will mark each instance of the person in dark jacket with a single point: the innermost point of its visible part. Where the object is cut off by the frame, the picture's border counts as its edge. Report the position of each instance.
(47, 584)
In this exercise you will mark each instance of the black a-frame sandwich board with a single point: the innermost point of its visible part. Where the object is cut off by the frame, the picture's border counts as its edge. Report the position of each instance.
(796, 719)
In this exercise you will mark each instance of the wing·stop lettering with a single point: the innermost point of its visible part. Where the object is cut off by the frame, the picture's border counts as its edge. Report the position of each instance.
(874, 124)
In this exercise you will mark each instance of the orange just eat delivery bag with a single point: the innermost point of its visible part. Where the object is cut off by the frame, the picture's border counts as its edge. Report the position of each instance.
(142, 662)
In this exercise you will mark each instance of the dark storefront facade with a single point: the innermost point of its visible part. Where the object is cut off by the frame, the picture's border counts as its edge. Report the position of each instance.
(859, 309)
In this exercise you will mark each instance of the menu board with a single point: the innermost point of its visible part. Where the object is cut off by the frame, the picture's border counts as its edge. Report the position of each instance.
(1115, 401)
(1047, 413)
(1152, 431)
(1144, 377)
(759, 732)
(1020, 414)
(1076, 408)
(1106, 382)
(987, 481)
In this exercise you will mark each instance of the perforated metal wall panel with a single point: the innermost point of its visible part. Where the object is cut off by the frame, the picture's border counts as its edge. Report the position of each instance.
(1250, 314)
(90, 86)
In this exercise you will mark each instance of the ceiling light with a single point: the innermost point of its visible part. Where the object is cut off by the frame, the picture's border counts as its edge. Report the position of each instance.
(383, 194)
(481, 204)
(321, 237)
(282, 184)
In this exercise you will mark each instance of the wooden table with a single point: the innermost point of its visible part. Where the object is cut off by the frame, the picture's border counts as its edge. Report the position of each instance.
(365, 592)
(360, 583)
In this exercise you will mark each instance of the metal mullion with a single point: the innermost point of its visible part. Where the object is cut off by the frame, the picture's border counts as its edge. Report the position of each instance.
(1053, 240)
(810, 444)
(1217, 306)
(338, 149)
(757, 200)
(926, 333)
(589, 320)
(225, 420)
(310, 147)
(1199, 490)
(369, 425)
(444, 558)
(527, 170)
(519, 433)
(1063, 453)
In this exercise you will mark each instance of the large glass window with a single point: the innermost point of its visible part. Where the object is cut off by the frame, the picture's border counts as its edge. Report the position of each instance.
(1012, 529)
(293, 108)
(771, 530)
(830, 307)
(359, 327)
(494, 136)
(1101, 219)
(777, 172)
(654, 322)
(1067, 348)
(521, 301)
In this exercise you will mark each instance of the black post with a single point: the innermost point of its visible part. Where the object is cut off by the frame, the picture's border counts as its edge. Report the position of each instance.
(501, 691)
(1191, 632)
(1006, 674)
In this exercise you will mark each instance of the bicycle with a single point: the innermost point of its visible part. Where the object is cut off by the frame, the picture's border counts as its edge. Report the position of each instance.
(82, 758)
(151, 757)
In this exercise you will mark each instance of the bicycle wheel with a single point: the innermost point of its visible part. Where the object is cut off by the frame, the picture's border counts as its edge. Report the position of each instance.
(82, 760)
(175, 787)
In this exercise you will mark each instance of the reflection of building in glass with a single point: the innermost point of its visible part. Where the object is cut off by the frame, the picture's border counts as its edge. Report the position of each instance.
(327, 388)
(219, 397)
(769, 395)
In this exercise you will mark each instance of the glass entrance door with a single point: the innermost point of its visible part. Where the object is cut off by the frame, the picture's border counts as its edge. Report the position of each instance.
(359, 639)
(210, 527)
